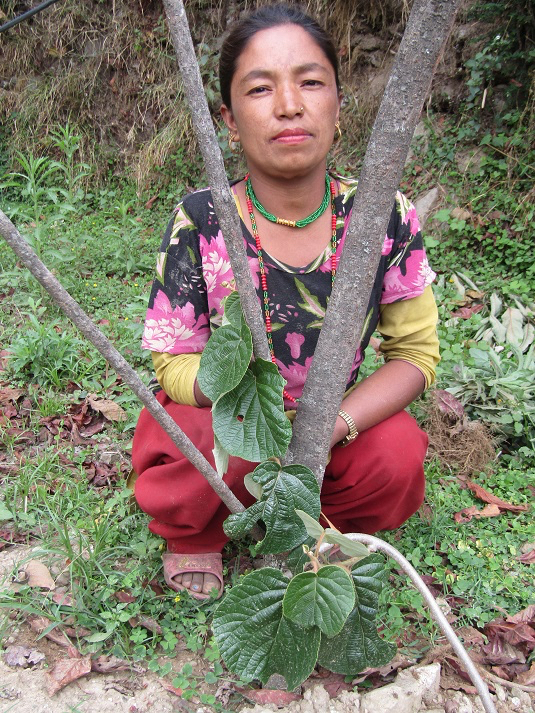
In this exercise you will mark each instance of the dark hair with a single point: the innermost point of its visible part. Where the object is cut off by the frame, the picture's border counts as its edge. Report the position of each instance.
(264, 19)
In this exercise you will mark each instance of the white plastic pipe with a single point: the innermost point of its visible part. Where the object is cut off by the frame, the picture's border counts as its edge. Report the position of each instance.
(374, 544)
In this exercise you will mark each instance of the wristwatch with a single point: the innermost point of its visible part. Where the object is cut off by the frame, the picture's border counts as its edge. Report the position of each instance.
(353, 433)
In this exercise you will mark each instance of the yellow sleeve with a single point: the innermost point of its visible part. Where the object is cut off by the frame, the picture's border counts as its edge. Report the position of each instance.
(409, 330)
(176, 375)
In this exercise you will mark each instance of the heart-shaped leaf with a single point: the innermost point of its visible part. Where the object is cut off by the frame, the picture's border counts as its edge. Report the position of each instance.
(283, 490)
(224, 360)
(358, 645)
(323, 599)
(254, 638)
(249, 420)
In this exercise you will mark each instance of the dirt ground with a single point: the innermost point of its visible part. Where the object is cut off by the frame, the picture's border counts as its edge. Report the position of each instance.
(25, 690)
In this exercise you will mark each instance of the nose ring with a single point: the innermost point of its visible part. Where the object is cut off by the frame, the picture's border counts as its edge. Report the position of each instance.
(301, 109)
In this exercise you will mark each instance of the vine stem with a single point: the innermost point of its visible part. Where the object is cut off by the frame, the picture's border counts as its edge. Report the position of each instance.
(377, 545)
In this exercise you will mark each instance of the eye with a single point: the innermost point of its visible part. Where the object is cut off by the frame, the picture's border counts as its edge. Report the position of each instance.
(258, 90)
(312, 83)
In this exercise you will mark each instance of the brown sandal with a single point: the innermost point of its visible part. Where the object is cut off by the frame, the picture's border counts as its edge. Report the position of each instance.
(210, 563)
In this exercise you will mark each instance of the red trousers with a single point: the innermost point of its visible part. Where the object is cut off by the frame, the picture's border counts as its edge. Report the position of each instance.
(375, 483)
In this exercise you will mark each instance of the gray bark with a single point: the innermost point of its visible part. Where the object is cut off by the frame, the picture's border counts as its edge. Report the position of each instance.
(75, 313)
(224, 204)
(427, 29)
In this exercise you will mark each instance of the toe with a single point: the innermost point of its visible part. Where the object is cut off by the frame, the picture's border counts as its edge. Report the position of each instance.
(210, 581)
(197, 582)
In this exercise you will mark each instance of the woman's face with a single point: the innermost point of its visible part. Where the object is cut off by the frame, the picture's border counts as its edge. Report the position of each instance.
(285, 103)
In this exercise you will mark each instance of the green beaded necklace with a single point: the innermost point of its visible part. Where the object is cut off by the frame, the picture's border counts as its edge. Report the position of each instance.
(291, 223)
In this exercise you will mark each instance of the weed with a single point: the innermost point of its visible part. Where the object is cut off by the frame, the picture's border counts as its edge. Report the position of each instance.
(45, 354)
(474, 564)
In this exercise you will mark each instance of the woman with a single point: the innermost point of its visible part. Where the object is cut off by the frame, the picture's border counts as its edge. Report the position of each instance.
(281, 102)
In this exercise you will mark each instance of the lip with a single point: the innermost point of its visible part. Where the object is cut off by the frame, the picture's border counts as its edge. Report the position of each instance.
(292, 135)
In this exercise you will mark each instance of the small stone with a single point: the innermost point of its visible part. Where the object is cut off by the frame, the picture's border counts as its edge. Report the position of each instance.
(465, 705)
(346, 702)
(515, 702)
(426, 203)
(500, 692)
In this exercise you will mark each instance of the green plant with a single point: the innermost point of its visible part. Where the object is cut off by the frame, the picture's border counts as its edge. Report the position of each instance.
(33, 184)
(45, 354)
(63, 138)
(269, 623)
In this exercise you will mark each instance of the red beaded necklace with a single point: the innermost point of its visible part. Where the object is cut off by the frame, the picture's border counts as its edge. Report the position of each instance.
(263, 279)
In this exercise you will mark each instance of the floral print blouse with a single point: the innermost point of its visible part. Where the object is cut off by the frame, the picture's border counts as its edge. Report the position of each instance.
(193, 276)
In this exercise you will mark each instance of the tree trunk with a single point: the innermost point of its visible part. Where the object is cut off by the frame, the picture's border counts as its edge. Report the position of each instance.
(427, 29)
(224, 204)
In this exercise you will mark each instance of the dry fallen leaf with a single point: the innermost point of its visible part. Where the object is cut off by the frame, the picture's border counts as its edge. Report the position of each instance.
(171, 689)
(109, 409)
(67, 671)
(487, 497)
(525, 615)
(528, 558)
(528, 677)
(109, 664)
(39, 575)
(40, 623)
(22, 656)
(467, 514)
(9, 394)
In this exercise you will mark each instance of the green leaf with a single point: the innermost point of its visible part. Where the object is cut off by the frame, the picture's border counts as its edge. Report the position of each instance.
(283, 490)
(233, 311)
(224, 360)
(220, 457)
(254, 638)
(358, 645)
(249, 421)
(97, 638)
(298, 558)
(252, 487)
(323, 599)
(442, 215)
(5, 514)
(348, 547)
(312, 526)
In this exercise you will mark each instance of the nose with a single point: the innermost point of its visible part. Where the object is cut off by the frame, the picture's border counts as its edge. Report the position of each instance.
(289, 102)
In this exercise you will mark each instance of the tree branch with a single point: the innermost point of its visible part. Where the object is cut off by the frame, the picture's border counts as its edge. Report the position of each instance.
(75, 313)
(224, 203)
(427, 29)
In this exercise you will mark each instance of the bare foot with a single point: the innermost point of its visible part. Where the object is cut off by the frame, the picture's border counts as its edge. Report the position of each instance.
(197, 582)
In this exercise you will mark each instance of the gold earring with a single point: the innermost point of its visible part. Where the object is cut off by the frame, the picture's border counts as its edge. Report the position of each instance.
(232, 140)
(337, 127)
